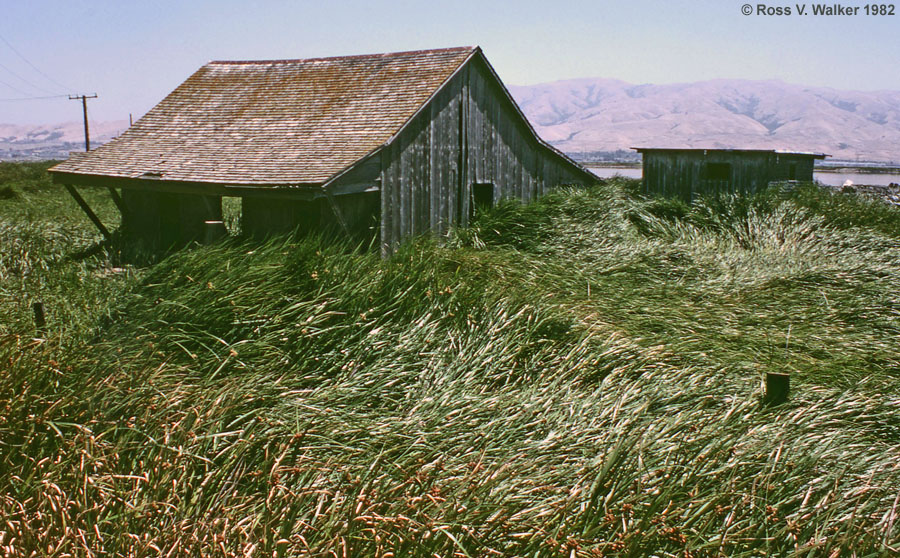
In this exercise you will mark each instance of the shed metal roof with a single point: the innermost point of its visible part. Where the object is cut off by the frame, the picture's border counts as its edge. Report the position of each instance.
(729, 150)
(275, 122)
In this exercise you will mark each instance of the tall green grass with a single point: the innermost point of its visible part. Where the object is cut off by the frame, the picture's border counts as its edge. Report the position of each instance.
(577, 377)
(50, 253)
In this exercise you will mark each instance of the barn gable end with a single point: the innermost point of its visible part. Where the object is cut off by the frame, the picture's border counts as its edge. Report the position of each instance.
(470, 141)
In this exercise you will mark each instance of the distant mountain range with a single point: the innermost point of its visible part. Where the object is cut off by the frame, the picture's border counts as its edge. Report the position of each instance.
(53, 141)
(584, 116)
(593, 114)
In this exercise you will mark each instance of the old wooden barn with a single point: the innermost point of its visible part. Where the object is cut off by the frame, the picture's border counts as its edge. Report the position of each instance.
(391, 144)
(688, 173)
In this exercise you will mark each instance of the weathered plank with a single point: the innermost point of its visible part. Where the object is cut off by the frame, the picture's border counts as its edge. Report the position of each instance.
(386, 226)
(434, 163)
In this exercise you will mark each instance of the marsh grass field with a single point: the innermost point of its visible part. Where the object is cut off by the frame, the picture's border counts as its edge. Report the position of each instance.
(581, 376)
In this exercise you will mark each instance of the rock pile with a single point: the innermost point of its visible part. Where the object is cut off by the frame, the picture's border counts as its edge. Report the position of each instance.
(889, 193)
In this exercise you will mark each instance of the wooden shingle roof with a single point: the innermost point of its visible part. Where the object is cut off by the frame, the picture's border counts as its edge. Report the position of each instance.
(274, 123)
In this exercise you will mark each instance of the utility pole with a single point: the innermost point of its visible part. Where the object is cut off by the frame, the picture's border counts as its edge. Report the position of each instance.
(87, 134)
(117, 199)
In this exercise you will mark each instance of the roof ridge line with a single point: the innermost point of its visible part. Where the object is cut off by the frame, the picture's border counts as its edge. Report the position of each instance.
(346, 57)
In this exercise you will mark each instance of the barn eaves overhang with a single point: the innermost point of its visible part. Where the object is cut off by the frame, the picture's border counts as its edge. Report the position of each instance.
(277, 191)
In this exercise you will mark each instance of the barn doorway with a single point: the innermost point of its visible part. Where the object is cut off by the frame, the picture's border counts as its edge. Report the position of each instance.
(482, 197)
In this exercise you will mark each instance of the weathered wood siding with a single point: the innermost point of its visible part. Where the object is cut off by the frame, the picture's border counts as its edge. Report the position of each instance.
(262, 217)
(469, 133)
(163, 220)
(354, 194)
(681, 173)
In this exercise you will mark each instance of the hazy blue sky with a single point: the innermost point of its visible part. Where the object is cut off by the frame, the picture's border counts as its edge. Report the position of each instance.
(132, 53)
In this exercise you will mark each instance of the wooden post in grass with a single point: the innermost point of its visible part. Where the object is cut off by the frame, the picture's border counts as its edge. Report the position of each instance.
(778, 388)
(40, 321)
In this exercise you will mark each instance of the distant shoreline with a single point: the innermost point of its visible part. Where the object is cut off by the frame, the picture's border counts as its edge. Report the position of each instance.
(636, 165)
(859, 169)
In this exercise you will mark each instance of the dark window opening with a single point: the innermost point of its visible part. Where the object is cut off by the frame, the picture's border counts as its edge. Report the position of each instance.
(792, 172)
(716, 171)
(482, 196)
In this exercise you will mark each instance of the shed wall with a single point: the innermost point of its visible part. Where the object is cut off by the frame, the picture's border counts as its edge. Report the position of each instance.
(681, 173)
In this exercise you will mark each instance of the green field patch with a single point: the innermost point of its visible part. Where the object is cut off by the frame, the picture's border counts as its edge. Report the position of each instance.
(578, 376)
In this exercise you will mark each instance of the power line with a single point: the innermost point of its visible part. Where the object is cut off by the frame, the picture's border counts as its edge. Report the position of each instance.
(33, 98)
(13, 87)
(15, 75)
(36, 69)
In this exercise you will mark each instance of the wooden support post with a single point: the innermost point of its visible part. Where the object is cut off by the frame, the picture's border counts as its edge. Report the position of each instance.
(88, 211)
(337, 213)
(778, 388)
(117, 199)
(40, 321)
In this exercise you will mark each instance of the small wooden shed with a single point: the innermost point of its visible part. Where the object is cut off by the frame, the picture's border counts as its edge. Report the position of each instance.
(688, 173)
(395, 144)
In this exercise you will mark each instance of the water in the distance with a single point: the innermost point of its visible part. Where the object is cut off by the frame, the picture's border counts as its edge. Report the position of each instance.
(827, 178)
(607, 172)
